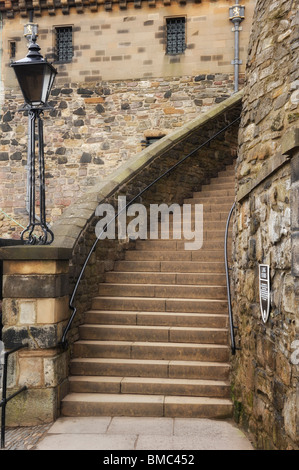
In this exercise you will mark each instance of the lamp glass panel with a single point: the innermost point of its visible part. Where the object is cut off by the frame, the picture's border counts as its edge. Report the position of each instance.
(31, 78)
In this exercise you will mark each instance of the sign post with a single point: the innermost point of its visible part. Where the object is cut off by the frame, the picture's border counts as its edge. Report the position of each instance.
(264, 287)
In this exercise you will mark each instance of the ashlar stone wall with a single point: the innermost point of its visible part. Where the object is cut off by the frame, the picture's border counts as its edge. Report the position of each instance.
(265, 369)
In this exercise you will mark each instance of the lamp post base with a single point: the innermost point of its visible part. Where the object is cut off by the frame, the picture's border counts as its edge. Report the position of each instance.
(46, 236)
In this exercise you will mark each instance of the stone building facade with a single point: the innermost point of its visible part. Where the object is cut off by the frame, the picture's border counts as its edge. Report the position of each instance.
(265, 369)
(116, 89)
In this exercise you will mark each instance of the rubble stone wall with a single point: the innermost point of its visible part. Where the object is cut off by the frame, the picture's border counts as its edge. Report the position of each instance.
(265, 369)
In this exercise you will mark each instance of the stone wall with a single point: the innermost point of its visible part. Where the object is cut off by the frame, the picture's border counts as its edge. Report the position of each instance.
(265, 369)
(91, 132)
(130, 43)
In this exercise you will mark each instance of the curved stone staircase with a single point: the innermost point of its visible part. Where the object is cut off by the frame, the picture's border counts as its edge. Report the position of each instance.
(155, 342)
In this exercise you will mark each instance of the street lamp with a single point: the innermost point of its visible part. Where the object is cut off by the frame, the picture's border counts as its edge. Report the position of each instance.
(35, 76)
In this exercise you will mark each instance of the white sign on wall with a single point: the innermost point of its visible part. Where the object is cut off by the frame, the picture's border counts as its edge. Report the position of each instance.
(264, 287)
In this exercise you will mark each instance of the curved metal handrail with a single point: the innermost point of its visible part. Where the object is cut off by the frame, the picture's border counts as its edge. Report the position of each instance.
(230, 313)
(167, 172)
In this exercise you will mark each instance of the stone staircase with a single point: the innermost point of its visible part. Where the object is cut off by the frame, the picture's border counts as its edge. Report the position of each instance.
(155, 342)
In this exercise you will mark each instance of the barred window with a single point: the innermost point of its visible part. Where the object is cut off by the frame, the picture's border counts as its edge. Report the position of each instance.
(12, 49)
(176, 35)
(64, 44)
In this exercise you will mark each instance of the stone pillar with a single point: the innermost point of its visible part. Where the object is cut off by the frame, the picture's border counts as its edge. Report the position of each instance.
(35, 311)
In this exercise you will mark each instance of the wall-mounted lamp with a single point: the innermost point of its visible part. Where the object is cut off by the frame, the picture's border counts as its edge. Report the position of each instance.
(236, 15)
(30, 30)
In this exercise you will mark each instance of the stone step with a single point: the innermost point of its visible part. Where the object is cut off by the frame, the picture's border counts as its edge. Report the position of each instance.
(172, 245)
(208, 216)
(153, 334)
(150, 304)
(174, 369)
(211, 193)
(119, 277)
(216, 185)
(208, 225)
(224, 178)
(202, 199)
(200, 320)
(154, 350)
(177, 255)
(176, 233)
(228, 172)
(163, 290)
(209, 206)
(150, 386)
(170, 266)
(97, 404)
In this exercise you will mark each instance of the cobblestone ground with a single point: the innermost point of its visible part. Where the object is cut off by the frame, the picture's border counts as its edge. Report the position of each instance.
(24, 438)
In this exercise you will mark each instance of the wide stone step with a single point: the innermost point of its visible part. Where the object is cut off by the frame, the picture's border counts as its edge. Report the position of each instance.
(93, 404)
(227, 194)
(216, 185)
(170, 266)
(210, 223)
(200, 320)
(153, 333)
(215, 199)
(230, 193)
(149, 304)
(208, 206)
(216, 216)
(229, 171)
(168, 255)
(150, 386)
(165, 278)
(176, 233)
(150, 350)
(150, 368)
(172, 245)
(163, 290)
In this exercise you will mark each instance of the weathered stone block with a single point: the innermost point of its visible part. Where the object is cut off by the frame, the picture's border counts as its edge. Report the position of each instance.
(33, 407)
(43, 337)
(52, 310)
(31, 372)
(27, 312)
(34, 286)
(290, 141)
(55, 369)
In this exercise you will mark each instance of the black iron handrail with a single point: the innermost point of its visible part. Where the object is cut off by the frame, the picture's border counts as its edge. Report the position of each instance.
(166, 173)
(6, 399)
(232, 327)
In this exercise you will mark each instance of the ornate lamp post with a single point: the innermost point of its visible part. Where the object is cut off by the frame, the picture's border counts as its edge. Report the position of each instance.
(35, 76)
(236, 15)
